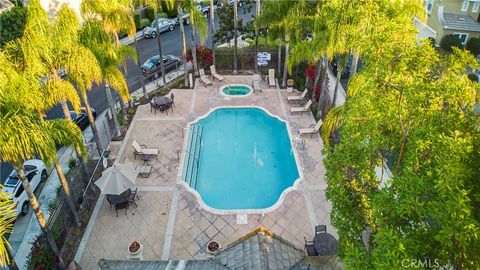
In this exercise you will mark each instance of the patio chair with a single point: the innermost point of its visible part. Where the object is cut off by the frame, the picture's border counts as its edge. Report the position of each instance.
(320, 229)
(153, 106)
(313, 129)
(141, 149)
(204, 78)
(133, 196)
(172, 97)
(256, 86)
(271, 77)
(303, 109)
(215, 74)
(298, 97)
(122, 205)
(309, 248)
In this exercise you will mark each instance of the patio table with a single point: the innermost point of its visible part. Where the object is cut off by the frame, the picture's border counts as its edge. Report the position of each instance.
(325, 244)
(162, 101)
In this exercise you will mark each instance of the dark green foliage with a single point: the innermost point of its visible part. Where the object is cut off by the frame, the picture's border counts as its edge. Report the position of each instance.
(12, 24)
(432, 41)
(473, 77)
(225, 31)
(171, 12)
(473, 46)
(150, 13)
(136, 19)
(450, 41)
(144, 22)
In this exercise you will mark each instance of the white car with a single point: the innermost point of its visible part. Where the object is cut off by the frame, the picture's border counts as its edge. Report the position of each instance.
(36, 172)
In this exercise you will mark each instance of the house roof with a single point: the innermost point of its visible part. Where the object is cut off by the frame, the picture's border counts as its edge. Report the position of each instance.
(459, 21)
(259, 250)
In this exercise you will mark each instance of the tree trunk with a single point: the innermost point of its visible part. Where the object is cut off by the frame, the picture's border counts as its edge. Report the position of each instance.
(145, 95)
(96, 136)
(194, 48)
(162, 65)
(279, 65)
(317, 78)
(256, 36)
(337, 83)
(67, 193)
(235, 35)
(83, 166)
(266, 37)
(184, 45)
(285, 68)
(323, 87)
(116, 124)
(38, 212)
(212, 30)
(353, 68)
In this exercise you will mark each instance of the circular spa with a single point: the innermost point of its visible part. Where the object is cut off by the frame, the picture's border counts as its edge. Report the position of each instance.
(236, 90)
(239, 158)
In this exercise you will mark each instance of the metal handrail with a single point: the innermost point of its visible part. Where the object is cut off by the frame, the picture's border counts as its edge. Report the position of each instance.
(191, 175)
(198, 157)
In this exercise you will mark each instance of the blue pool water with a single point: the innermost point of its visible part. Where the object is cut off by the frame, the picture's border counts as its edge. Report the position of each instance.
(245, 159)
(236, 90)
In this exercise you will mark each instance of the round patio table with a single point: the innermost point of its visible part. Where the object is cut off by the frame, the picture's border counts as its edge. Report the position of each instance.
(162, 101)
(325, 244)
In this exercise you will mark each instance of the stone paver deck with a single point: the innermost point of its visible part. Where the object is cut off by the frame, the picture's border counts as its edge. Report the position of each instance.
(169, 220)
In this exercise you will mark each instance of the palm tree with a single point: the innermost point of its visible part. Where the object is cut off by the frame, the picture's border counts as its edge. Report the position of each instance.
(24, 135)
(256, 34)
(7, 217)
(115, 16)
(198, 23)
(179, 7)
(235, 34)
(212, 29)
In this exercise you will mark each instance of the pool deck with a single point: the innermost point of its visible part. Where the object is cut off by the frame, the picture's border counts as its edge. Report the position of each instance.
(169, 221)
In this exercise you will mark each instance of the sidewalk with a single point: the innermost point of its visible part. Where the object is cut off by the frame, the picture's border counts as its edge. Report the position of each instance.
(126, 40)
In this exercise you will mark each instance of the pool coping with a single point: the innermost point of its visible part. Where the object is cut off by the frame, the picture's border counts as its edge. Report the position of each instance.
(220, 89)
(294, 187)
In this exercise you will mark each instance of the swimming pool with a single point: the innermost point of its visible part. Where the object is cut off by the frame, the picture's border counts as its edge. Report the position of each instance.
(239, 158)
(236, 90)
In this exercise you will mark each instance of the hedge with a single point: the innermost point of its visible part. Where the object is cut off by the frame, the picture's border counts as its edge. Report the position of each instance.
(136, 19)
(144, 22)
(473, 46)
(450, 41)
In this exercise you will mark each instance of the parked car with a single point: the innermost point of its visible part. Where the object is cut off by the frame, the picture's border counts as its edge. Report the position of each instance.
(81, 118)
(186, 18)
(152, 65)
(36, 172)
(163, 25)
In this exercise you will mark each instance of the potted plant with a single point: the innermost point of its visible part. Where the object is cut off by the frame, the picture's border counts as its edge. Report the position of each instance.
(135, 248)
(213, 247)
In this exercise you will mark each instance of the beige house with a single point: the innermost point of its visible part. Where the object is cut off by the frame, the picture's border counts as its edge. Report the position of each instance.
(457, 17)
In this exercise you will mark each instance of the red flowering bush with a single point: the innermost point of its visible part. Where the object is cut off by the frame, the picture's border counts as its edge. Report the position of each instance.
(311, 69)
(204, 56)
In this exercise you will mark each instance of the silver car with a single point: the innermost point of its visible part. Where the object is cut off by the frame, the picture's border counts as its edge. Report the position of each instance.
(163, 25)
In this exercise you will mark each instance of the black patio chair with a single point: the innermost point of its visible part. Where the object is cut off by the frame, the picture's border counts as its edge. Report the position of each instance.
(133, 196)
(172, 97)
(153, 106)
(309, 248)
(320, 229)
(122, 205)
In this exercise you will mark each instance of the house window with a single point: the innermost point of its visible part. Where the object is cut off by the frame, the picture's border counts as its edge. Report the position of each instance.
(475, 7)
(465, 5)
(429, 5)
(463, 37)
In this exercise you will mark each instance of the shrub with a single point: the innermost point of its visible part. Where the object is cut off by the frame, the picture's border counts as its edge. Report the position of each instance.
(432, 41)
(136, 19)
(72, 163)
(171, 13)
(473, 46)
(150, 13)
(473, 77)
(204, 56)
(450, 41)
(144, 22)
(162, 15)
(12, 24)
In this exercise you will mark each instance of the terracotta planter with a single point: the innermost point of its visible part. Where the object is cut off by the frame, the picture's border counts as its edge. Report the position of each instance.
(135, 248)
(213, 247)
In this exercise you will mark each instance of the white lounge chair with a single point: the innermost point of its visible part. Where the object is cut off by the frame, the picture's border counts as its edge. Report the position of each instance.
(303, 109)
(271, 77)
(256, 86)
(312, 129)
(215, 74)
(298, 97)
(204, 78)
(141, 149)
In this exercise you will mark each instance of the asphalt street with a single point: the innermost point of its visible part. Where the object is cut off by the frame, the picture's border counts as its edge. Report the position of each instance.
(171, 44)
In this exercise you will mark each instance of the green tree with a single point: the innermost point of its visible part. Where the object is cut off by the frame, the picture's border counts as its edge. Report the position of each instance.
(7, 218)
(409, 102)
(115, 17)
(12, 24)
(198, 24)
